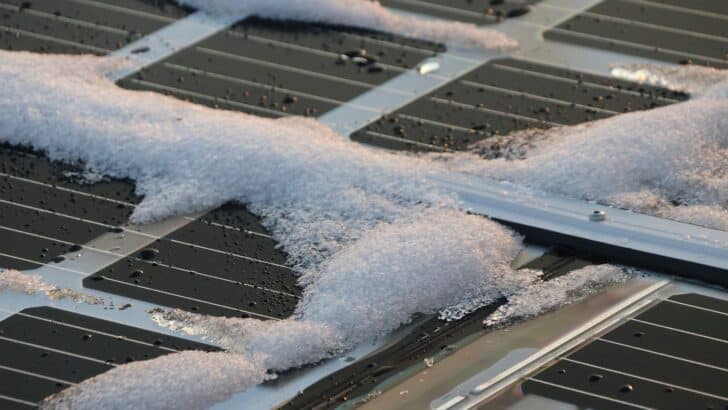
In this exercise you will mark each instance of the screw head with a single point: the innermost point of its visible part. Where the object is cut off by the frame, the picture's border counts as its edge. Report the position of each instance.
(598, 216)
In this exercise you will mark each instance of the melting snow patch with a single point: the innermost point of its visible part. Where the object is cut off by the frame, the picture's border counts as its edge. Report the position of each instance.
(360, 13)
(544, 296)
(670, 162)
(695, 80)
(14, 281)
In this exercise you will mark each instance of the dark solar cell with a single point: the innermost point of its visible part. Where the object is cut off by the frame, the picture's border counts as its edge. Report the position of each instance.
(25, 251)
(471, 11)
(44, 350)
(47, 224)
(671, 30)
(668, 357)
(701, 301)
(279, 68)
(692, 319)
(73, 26)
(506, 95)
(9, 404)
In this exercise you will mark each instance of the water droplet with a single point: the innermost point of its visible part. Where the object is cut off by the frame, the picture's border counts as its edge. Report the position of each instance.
(148, 254)
(595, 377)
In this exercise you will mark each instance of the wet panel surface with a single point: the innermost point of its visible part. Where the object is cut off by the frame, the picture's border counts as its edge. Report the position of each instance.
(224, 264)
(81, 27)
(506, 95)
(670, 357)
(469, 11)
(274, 69)
(680, 31)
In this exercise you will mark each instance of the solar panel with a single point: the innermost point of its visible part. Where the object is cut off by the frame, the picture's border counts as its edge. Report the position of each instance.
(81, 26)
(44, 350)
(274, 69)
(680, 31)
(506, 95)
(669, 357)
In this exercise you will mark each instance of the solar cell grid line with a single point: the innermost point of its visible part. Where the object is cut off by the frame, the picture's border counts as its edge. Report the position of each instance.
(681, 32)
(506, 95)
(80, 26)
(43, 350)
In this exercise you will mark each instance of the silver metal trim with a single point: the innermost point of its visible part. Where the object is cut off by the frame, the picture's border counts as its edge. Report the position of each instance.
(167, 41)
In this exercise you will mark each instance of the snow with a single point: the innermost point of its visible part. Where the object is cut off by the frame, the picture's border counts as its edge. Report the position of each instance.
(203, 377)
(670, 162)
(376, 242)
(365, 14)
(557, 292)
(15, 281)
(695, 80)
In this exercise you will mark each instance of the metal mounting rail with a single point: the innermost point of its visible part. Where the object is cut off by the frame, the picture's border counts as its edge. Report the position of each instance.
(623, 236)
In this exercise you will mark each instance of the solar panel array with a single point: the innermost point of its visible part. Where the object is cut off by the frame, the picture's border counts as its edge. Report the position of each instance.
(44, 350)
(671, 356)
(226, 263)
(680, 31)
(81, 26)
